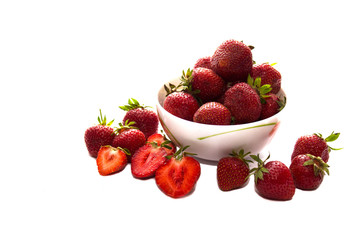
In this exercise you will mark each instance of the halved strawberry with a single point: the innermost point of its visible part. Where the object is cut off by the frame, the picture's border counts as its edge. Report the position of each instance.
(162, 140)
(111, 160)
(177, 177)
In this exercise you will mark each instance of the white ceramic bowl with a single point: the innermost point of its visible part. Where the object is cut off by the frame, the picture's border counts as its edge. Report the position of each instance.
(212, 142)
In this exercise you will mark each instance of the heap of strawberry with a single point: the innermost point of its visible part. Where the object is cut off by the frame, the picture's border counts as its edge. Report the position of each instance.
(136, 141)
(226, 88)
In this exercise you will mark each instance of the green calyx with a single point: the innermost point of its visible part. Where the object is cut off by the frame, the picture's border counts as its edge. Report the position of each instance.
(180, 153)
(125, 150)
(132, 104)
(126, 125)
(258, 171)
(262, 90)
(102, 120)
(331, 138)
(185, 84)
(241, 155)
(320, 167)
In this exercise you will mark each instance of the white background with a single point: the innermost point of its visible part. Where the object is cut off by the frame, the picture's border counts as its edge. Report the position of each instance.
(61, 61)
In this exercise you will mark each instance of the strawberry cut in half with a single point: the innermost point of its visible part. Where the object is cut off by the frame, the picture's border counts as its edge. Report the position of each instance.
(148, 158)
(111, 160)
(177, 178)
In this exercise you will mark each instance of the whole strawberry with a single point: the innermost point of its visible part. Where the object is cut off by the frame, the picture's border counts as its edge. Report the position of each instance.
(268, 75)
(273, 180)
(271, 105)
(243, 102)
(308, 171)
(129, 137)
(181, 104)
(204, 62)
(208, 84)
(145, 119)
(315, 145)
(213, 113)
(232, 61)
(99, 135)
(232, 172)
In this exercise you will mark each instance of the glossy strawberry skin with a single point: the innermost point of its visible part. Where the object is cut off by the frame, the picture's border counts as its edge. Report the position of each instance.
(131, 139)
(145, 120)
(204, 62)
(232, 61)
(181, 104)
(231, 173)
(270, 107)
(268, 75)
(243, 102)
(146, 160)
(311, 144)
(110, 160)
(304, 176)
(177, 178)
(97, 136)
(277, 184)
(213, 113)
(208, 83)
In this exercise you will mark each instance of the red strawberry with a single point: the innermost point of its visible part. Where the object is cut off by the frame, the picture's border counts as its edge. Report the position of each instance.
(273, 180)
(181, 104)
(208, 84)
(161, 139)
(146, 120)
(129, 137)
(213, 113)
(99, 135)
(268, 75)
(148, 158)
(111, 160)
(315, 145)
(203, 62)
(243, 102)
(271, 106)
(177, 178)
(308, 171)
(232, 61)
(233, 171)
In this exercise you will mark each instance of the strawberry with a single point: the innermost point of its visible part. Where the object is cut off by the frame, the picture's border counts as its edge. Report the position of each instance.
(208, 83)
(148, 158)
(181, 104)
(99, 135)
(268, 75)
(160, 139)
(111, 160)
(243, 102)
(232, 61)
(129, 137)
(146, 120)
(177, 177)
(213, 113)
(271, 105)
(308, 171)
(273, 179)
(203, 62)
(315, 145)
(232, 172)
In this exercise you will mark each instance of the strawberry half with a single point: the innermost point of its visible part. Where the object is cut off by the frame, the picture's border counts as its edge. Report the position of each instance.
(148, 158)
(111, 160)
(177, 178)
